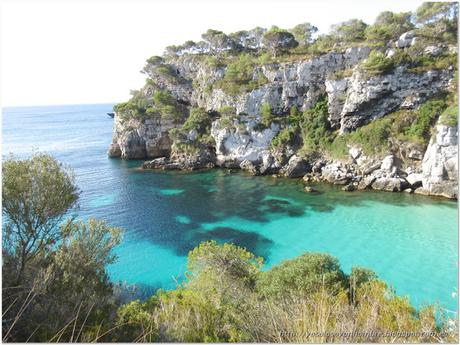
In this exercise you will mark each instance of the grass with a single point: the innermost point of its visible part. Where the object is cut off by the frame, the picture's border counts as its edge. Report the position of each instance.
(450, 116)
(410, 126)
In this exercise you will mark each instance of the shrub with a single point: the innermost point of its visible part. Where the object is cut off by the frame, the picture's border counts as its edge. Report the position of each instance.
(226, 298)
(211, 263)
(426, 116)
(323, 44)
(424, 63)
(167, 106)
(377, 63)
(266, 113)
(305, 274)
(135, 107)
(450, 116)
(240, 71)
(373, 136)
(198, 120)
(239, 76)
(315, 127)
(285, 137)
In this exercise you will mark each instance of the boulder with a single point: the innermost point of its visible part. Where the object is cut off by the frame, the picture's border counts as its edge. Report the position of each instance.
(371, 167)
(415, 180)
(336, 174)
(157, 163)
(250, 167)
(405, 40)
(415, 154)
(387, 163)
(433, 50)
(201, 157)
(354, 152)
(310, 189)
(296, 167)
(114, 150)
(366, 182)
(390, 184)
(348, 188)
(268, 165)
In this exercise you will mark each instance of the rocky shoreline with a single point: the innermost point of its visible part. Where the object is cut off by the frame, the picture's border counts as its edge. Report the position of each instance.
(435, 173)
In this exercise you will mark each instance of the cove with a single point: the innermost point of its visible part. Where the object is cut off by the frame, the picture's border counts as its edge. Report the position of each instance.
(410, 241)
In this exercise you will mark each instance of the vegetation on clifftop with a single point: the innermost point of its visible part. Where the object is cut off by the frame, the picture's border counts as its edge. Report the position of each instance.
(245, 60)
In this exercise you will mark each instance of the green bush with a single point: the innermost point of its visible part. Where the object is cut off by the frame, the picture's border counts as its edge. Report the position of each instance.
(426, 116)
(165, 70)
(267, 116)
(424, 63)
(239, 76)
(285, 137)
(315, 128)
(404, 125)
(135, 107)
(377, 63)
(450, 116)
(227, 298)
(168, 107)
(323, 44)
(373, 136)
(198, 120)
(308, 273)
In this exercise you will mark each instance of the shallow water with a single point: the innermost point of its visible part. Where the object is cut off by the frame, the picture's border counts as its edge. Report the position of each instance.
(411, 241)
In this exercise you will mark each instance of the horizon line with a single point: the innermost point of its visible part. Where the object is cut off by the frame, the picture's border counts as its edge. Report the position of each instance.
(54, 105)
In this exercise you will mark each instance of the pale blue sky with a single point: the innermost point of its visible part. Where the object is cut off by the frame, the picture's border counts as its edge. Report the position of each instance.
(92, 51)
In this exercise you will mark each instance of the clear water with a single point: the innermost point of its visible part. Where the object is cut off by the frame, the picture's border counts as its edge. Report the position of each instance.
(411, 241)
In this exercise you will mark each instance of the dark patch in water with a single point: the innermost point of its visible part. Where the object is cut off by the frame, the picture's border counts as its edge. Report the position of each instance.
(281, 206)
(253, 242)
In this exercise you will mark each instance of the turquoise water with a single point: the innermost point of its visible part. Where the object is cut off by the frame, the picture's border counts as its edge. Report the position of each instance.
(411, 241)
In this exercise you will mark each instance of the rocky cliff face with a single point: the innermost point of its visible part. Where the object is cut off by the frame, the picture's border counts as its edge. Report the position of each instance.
(357, 100)
(141, 138)
(235, 145)
(353, 100)
(297, 84)
(440, 163)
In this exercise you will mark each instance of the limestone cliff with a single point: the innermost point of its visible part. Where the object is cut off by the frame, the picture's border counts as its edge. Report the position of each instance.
(154, 127)
(440, 163)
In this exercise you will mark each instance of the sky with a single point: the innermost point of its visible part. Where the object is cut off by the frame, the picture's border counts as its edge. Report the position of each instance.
(63, 52)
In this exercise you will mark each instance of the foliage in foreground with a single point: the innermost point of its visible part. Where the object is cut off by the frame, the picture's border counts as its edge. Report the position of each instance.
(54, 269)
(60, 290)
(227, 297)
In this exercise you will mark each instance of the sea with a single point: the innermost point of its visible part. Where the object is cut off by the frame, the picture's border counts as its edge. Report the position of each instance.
(410, 241)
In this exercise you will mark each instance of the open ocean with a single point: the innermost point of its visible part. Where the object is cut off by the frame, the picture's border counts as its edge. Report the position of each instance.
(410, 241)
